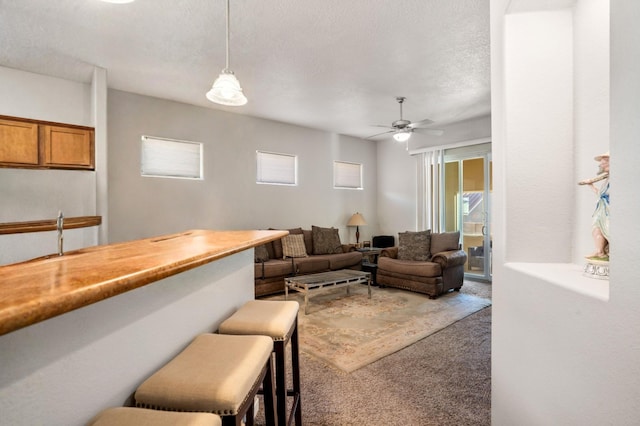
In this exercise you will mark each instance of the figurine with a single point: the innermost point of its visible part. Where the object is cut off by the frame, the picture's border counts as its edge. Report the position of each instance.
(600, 230)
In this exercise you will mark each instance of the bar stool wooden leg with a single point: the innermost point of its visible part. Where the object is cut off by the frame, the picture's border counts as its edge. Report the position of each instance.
(278, 320)
(295, 366)
(269, 394)
(281, 385)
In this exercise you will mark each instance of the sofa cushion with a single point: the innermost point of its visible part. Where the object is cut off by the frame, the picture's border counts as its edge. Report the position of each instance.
(311, 264)
(409, 267)
(293, 246)
(269, 247)
(260, 253)
(326, 240)
(445, 241)
(414, 245)
(308, 240)
(344, 260)
(277, 244)
(273, 268)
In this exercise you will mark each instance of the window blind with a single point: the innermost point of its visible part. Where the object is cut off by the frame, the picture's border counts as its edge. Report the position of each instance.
(276, 169)
(347, 175)
(171, 158)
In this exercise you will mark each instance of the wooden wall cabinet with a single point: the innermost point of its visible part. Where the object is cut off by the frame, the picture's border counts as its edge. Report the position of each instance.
(28, 143)
(66, 147)
(18, 143)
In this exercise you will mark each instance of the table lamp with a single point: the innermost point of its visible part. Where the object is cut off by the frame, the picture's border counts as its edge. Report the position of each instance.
(357, 220)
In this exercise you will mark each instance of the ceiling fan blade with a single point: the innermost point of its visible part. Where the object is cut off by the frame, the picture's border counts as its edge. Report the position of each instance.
(433, 132)
(378, 134)
(382, 125)
(422, 123)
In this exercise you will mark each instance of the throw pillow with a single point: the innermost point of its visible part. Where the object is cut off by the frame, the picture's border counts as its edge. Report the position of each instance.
(308, 240)
(326, 240)
(414, 246)
(445, 241)
(293, 246)
(277, 244)
(261, 254)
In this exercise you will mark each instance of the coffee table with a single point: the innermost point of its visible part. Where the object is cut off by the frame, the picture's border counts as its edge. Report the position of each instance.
(324, 281)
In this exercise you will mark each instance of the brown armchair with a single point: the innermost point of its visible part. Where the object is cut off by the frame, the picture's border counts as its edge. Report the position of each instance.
(441, 273)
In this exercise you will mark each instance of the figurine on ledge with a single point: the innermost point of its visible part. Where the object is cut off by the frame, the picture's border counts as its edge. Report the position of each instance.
(600, 230)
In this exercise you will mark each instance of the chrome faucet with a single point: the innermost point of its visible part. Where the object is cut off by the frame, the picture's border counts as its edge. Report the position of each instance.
(60, 225)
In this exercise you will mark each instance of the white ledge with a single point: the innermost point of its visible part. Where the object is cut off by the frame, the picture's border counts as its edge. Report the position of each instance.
(565, 275)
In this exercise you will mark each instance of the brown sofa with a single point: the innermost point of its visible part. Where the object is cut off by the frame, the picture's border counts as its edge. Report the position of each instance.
(271, 266)
(440, 268)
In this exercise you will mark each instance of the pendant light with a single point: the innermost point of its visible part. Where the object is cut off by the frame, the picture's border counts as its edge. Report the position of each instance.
(226, 89)
(402, 135)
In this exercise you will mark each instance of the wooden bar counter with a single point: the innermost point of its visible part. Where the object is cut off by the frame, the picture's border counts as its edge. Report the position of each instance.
(45, 287)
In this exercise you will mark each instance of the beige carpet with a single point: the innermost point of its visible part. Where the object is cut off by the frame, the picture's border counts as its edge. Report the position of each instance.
(351, 331)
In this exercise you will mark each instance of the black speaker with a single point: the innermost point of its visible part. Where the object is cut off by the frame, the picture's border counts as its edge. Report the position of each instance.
(382, 241)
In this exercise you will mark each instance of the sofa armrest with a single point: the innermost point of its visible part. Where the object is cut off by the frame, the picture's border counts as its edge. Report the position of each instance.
(346, 248)
(391, 252)
(448, 259)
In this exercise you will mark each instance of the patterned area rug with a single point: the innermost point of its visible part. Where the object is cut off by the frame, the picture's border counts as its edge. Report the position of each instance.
(351, 331)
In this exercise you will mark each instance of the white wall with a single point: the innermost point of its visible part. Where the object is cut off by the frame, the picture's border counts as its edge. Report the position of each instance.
(539, 163)
(65, 370)
(40, 97)
(591, 110)
(397, 186)
(228, 197)
(40, 194)
(563, 350)
(454, 133)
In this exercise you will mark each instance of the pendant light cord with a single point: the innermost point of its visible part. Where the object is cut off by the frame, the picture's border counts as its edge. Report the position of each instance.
(227, 67)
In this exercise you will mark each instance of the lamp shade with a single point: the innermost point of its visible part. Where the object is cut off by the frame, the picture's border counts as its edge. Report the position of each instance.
(356, 220)
(402, 136)
(226, 90)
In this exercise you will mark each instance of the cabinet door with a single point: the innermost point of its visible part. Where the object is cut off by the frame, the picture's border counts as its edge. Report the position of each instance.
(18, 143)
(67, 147)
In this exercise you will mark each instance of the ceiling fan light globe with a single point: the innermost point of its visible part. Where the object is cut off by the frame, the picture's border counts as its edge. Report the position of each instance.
(402, 136)
(226, 90)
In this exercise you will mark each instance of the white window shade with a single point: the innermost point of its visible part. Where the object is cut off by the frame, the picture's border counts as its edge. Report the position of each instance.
(276, 169)
(347, 175)
(171, 158)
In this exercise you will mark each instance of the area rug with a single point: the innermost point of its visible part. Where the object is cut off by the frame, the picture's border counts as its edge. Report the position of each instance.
(351, 331)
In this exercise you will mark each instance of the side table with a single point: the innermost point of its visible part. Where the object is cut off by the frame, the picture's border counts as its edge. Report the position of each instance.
(370, 254)
(371, 268)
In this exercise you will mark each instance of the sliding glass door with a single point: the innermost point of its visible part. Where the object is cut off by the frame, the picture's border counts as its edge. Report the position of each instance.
(467, 204)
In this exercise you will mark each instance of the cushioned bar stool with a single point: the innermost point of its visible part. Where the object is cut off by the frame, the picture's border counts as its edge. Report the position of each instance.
(278, 320)
(215, 373)
(129, 416)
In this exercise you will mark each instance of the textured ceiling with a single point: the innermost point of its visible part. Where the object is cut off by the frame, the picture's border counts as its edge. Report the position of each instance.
(335, 65)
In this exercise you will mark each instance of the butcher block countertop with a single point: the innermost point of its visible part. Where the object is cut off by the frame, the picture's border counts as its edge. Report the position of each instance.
(42, 288)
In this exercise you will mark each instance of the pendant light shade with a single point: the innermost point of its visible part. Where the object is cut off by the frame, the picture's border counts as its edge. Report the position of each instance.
(226, 90)
(402, 135)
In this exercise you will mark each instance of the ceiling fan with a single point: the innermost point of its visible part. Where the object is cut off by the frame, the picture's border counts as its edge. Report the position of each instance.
(402, 129)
